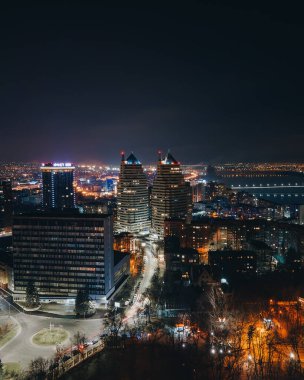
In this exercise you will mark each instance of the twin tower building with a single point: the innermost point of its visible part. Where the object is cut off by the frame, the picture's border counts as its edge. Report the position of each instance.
(65, 252)
(141, 209)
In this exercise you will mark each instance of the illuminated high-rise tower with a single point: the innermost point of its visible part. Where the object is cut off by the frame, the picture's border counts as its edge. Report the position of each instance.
(171, 195)
(58, 189)
(132, 197)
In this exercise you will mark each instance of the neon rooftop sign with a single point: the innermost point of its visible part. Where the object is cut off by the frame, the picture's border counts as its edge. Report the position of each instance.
(58, 165)
(62, 164)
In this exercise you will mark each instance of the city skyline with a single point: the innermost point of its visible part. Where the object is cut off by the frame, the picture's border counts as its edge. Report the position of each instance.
(151, 190)
(116, 163)
(209, 81)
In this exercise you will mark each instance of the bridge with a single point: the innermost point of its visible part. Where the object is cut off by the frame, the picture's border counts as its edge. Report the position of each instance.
(261, 187)
(293, 193)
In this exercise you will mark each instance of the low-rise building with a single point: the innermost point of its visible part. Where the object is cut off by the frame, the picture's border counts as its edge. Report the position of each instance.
(229, 263)
(121, 268)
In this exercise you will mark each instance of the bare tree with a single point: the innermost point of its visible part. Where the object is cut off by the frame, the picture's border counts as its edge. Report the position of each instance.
(79, 339)
(113, 324)
(38, 369)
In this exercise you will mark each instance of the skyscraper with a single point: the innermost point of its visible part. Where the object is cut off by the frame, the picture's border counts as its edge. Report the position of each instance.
(6, 203)
(132, 197)
(58, 190)
(171, 195)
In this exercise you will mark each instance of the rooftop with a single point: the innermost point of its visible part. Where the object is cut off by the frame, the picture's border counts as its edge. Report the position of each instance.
(170, 160)
(57, 165)
(119, 256)
(131, 160)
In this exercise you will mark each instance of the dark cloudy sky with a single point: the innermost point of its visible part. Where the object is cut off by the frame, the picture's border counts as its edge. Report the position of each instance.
(81, 81)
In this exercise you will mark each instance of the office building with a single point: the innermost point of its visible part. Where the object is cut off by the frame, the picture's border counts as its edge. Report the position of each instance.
(63, 253)
(6, 204)
(132, 197)
(171, 195)
(58, 188)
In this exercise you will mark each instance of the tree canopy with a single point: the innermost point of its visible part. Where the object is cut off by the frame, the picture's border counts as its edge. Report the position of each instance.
(32, 296)
(82, 303)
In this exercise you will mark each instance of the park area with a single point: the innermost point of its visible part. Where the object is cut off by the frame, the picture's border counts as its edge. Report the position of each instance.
(50, 336)
(8, 329)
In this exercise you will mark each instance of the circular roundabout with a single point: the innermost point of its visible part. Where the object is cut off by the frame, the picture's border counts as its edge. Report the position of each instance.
(50, 337)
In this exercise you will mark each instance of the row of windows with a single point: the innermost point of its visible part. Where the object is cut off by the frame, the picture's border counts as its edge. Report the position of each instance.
(63, 264)
(63, 238)
(64, 260)
(91, 262)
(64, 227)
(55, 269)
(65, 291)
(59, 280)
(59, 250)
(57, 245)
(73, 238)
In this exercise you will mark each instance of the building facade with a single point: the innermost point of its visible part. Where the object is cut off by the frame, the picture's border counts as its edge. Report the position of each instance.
(58, 186)
(63, 253)
(132, 197)
(121, 268)
(228, 263)
(215, 234)
(198, 191)
(171, 195)
(6, 203)
(6, 261)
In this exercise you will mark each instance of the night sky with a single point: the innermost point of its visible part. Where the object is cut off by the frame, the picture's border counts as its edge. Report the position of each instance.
(80, 81)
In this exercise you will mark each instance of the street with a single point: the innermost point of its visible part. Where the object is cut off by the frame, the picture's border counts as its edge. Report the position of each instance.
(150, 265)
(21, 349)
